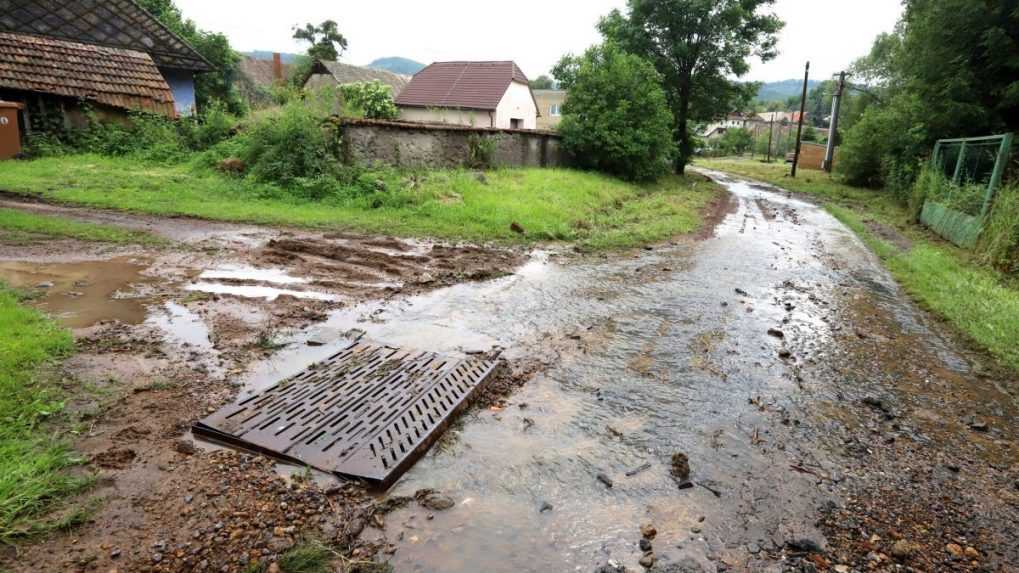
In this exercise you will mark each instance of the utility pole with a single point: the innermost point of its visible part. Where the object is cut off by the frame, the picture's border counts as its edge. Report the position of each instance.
(799, 127)
(771, 131)
(829, 152)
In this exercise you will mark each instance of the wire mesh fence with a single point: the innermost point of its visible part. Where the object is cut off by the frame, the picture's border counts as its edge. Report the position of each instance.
(966, 174)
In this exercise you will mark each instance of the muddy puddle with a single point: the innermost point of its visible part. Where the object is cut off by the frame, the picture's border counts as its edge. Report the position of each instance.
(83, 293)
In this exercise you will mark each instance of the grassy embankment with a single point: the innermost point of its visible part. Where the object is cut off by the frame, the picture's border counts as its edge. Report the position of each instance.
(20, 227)
(33, 460)
(980, 302)
(592, 210)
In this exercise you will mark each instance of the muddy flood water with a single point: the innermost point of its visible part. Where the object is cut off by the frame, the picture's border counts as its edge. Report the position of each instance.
(671, 354)
(673, 347)
(749, 353)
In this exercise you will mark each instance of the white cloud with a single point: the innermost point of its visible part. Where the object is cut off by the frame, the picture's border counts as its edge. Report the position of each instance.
(535, 33)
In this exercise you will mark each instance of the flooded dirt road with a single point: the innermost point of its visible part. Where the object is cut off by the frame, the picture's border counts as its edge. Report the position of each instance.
(777, 356)
(828, 424)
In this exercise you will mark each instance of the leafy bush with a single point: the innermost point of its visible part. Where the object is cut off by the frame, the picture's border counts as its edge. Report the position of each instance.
(999, 241)
(213, 125)
(735, 141)
(885, 147)
(616, 118)
(480, 152)
(288, 145)
(372, 99)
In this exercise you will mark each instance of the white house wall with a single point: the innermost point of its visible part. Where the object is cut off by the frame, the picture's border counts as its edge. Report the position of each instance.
(517, 103)
(474, 118)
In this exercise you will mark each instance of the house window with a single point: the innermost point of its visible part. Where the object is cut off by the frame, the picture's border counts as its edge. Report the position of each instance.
(553, 110)
(516, 123)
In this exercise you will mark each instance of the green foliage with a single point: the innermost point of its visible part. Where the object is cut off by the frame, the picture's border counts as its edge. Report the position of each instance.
(290, 147)
(543, 82)
(373, 99)
(32, 463)
(214, 125)
(550, 204)
(16, 225)
(142, 135)
(809, 134)
(999, 241)
(697, 46)
(214, 47)
(307, 557)
(950, 69)
(735, 141)
(617, 118)
(886, 146)
(480, 152)
(327, 43)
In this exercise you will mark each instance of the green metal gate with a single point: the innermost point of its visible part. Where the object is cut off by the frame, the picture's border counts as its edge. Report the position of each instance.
(972, 169)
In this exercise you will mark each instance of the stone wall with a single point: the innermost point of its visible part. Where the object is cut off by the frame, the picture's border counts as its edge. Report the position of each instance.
(405, 144)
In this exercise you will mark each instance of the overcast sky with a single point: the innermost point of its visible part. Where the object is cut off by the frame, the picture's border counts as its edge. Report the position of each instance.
(535, 33)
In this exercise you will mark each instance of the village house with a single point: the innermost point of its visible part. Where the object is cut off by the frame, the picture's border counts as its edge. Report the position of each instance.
(256, 77)
(550, 107)
(479, 94)
(731, 121)
(326, 73)
(59, 58)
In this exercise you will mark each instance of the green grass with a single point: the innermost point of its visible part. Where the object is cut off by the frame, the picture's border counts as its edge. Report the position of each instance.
(550, 204)
(32, 461)
(980, 302)
(21, 226)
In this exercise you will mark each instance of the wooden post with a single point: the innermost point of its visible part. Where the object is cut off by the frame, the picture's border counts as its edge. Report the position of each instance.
(771, 132)
(799, 127)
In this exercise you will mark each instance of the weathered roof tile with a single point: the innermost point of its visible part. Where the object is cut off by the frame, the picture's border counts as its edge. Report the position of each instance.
(112, 76)
(466, 85)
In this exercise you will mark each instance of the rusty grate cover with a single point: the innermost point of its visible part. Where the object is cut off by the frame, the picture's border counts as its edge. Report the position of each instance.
(369, 411)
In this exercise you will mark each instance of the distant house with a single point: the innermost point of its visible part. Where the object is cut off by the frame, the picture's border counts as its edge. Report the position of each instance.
(256, 77)
(731, 121)
(56, 55)
(325, 73)
(780, 116)
(483, 94)
(550, 107)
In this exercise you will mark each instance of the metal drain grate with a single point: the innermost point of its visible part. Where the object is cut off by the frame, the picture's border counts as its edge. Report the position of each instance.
(369, 411)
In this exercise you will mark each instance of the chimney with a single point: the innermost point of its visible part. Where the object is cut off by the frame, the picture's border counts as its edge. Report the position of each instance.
(277, 68)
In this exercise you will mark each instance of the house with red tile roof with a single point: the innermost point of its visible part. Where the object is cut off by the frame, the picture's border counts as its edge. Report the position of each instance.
(479, 94)
(58, 57)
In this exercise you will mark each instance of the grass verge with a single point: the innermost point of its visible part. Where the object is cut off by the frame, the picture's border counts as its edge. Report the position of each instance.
(20, 226)
(549, 204)
(32, 461)
(980, 302)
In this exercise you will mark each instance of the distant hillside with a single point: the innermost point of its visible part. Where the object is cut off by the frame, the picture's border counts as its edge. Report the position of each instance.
(267, 55)
(780, 91)
(403, 66)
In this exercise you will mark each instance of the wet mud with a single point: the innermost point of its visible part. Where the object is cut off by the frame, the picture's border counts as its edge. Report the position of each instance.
(828, 424)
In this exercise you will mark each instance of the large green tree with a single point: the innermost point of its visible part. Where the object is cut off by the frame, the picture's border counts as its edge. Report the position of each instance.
(327, 43)
(698, 47)
(217, 85)
(950, 69)
(616, 118)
